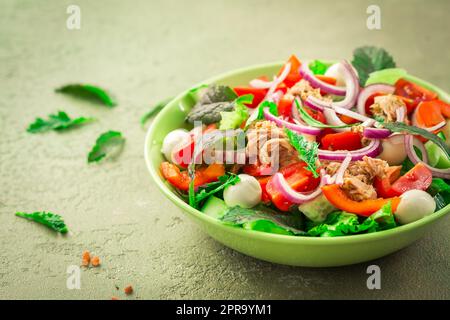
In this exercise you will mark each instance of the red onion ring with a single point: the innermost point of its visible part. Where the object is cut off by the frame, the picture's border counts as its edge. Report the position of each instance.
(351, 114)
(292, 126)
(278, 80)
(297, 197)
(372, 150)
(368, 91)
(260, 84)
(412, 155)
(436, 127)
(332, 119)
(376, 133)
(352, 90)
(317, 83)
(339, 176)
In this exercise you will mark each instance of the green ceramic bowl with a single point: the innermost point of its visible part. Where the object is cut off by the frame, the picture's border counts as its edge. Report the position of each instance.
(289, 250)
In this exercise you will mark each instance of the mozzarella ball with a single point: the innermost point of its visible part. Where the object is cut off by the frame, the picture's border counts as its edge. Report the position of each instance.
(246, 193)
(334, 71)
(172, 139)
(414, 205)
(394, 151)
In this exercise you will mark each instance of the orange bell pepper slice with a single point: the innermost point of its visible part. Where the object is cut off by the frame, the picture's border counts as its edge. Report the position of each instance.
(180, 179)
(340, 200)
(428, 113)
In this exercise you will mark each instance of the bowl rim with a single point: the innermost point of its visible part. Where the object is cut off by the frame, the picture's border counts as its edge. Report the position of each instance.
(197, 214)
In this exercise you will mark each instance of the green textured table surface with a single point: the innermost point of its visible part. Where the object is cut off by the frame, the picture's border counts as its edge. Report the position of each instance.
(144, 51)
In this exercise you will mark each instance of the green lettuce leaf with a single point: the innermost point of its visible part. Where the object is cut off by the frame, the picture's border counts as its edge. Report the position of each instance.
(318, 67)
(307, 151)
(261, 218)
(233, 119)
(214, 188)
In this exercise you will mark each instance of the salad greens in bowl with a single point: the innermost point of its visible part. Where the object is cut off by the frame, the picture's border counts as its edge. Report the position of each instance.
(308, 163)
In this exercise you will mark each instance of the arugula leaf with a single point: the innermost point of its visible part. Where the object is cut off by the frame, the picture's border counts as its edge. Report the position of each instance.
(51, 220)
(105, 142)
(402, 127)
(88, 92)
(307, 151)
(58, 122)
(368, 59)
(155, 110)
(315, 123)
(261, 218)
(208, 140)
(212, 188)
(318, 67)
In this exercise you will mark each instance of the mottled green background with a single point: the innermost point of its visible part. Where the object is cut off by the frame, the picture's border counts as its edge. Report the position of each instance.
(144, 51)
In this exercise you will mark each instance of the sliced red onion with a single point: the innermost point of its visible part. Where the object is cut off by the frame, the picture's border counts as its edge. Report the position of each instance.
(339, 176)
(352, 90)
(260, 84)
(317, 83)
(351, 114)
(370, 90)
(292, 126)
(436, 127)
(297, 197)
(278, 80)
(410, 142)
(376, 133)
(332, 119)
(368, 123)
(372, 150)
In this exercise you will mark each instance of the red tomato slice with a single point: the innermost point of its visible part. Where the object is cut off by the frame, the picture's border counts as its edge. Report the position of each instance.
(429, 113)
(370, 101)
(341, 141)
(285, 106)
(298, 178)
(258, 94)
(317, 115)
(419, 177)
(413, 91)
(294, 74)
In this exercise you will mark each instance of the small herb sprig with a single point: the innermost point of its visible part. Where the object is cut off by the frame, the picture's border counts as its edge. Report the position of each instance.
(58, 122)
(307, 151)
(103, 143)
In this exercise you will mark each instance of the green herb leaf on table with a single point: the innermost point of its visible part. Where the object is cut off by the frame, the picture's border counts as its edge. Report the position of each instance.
(307, 151)
(368, 59)
(58, 122)
(89, 92)
(402, 127)
(51, 220)
(104, 143)
(264, 219)
(155, 110)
